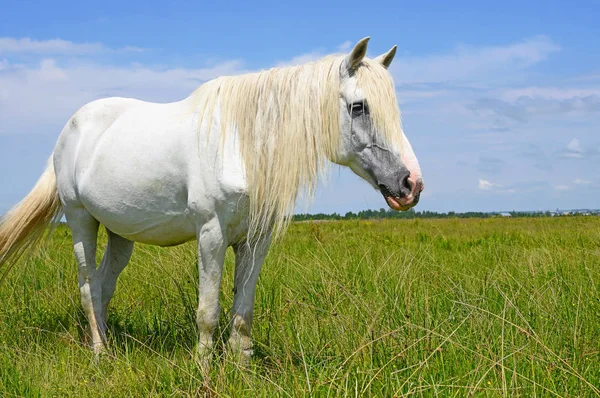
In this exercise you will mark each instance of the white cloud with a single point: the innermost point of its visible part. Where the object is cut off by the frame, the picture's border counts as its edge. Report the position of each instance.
(345, 46)
(575, 155)
(472, 84)
(471, 63)
(573, 149)
(11, 45)
(574, 146)
(44, 96)
(49, 71)
(133, 49)
(580, 181)
(485, 185)
(562, 187)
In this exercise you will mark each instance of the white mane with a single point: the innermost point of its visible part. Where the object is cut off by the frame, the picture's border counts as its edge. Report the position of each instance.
(288, 121)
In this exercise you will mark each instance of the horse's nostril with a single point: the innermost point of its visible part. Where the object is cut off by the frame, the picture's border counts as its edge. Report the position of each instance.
(406, 185)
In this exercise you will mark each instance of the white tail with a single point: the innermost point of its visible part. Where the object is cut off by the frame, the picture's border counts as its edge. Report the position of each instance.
(24, 225)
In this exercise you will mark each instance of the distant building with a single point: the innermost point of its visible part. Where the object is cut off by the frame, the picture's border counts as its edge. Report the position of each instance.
(505, 215)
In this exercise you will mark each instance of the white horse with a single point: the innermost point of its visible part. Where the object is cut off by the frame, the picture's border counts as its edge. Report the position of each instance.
(223, 166)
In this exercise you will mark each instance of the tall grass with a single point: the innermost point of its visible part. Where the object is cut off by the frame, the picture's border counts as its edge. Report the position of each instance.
(353, 308)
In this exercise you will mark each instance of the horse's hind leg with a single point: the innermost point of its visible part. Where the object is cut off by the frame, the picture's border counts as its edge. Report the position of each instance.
(84, 229)
(117, 255)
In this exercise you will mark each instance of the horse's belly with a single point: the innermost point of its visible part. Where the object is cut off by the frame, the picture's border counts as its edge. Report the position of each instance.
(140, 221)
(169, 232)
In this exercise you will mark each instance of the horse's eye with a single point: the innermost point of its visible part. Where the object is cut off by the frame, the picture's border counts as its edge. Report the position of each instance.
(358, 108)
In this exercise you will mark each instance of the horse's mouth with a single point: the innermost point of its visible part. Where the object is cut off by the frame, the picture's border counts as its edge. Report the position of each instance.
(397, 203)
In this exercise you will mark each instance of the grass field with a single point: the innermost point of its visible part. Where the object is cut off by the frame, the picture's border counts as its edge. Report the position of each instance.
(453, 307)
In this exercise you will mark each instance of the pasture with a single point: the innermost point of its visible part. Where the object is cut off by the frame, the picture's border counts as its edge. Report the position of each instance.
(448, 307)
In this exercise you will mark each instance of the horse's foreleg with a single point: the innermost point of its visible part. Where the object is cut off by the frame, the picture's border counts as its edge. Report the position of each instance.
(84, 228)
(211, 256)
(117, 255)
(248, 262)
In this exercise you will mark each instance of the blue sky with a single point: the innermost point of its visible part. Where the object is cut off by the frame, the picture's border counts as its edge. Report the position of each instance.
(500, 100)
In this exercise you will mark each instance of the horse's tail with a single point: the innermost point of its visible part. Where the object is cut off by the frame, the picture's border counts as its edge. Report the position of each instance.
(24, 225)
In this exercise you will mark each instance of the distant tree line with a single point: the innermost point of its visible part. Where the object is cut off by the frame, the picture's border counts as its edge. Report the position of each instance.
(410, 214)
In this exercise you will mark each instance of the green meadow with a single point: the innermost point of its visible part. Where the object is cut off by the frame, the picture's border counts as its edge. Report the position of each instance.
(453, 307)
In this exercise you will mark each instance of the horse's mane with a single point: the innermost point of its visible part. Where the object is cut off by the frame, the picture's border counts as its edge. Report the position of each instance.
(288, 125)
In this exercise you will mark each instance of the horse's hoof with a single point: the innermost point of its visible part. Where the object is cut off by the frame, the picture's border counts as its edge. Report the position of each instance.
(244, 356)
(99, 350)
(241, 351)
(203, 359)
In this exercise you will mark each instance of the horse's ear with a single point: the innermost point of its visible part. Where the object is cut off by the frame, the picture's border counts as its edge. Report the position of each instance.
(387, 58)
(357, 54)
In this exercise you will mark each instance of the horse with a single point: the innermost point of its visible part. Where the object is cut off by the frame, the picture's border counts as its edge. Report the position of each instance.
(224, 166)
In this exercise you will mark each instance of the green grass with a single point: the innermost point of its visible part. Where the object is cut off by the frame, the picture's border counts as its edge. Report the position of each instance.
(354, 308)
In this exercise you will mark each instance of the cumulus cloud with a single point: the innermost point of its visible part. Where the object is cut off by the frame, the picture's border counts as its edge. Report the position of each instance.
(485, 185)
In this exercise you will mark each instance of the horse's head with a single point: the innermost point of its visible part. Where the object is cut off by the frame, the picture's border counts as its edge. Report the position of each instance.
(372, 142)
